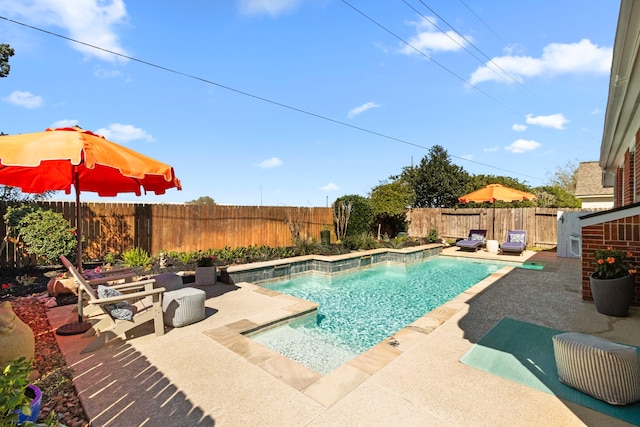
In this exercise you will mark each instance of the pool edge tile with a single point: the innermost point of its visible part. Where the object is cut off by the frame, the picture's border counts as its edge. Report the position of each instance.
(334, 386)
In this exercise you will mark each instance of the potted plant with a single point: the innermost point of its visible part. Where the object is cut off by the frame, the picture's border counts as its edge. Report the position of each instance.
(613, 281)
(206, 271)
(19, 400)
(325, 235)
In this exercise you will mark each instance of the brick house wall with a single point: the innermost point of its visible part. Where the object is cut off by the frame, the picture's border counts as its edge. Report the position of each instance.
(627, 178)
(618, 188)
(624, 234)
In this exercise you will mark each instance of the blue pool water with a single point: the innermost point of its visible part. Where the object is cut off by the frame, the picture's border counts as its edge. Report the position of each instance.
(358, 310)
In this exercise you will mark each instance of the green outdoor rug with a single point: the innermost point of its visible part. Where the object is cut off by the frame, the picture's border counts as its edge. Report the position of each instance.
(523, 352)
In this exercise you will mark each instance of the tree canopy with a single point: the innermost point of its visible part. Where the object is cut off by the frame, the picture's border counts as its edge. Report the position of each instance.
(390, 202)
(203, 200)
(6, 52)
(436, 182)
(565, 177)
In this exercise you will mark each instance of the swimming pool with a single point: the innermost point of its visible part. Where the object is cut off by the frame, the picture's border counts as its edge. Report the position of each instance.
(359, 309)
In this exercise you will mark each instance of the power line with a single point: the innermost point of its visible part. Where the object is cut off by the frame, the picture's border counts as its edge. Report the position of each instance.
(260, 98)
(453, 73)
(483, 23)
(426, 18)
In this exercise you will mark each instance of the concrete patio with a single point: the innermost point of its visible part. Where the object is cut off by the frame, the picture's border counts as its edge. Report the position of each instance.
(209, 374)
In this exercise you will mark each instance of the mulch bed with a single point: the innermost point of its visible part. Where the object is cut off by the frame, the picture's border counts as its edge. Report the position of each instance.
(55, 381)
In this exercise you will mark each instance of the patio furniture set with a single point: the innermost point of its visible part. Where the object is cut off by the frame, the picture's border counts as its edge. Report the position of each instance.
(119, 308)
(516, 242)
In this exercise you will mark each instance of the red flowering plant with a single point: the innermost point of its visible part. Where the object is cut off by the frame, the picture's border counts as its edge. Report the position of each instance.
(612, 263)
(206, 261)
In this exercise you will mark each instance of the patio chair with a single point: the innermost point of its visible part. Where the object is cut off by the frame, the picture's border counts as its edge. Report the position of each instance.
(125, 306)
(475, 241)
(516, 242)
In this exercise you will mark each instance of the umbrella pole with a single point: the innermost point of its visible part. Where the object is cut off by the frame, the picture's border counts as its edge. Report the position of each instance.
(493, 222)
(78, 225)
(79, 327)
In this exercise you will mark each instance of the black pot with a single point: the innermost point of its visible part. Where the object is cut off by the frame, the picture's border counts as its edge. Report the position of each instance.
(613, 296)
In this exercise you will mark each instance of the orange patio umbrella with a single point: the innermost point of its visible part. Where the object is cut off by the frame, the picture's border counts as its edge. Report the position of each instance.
(494, 192)
(58, 159)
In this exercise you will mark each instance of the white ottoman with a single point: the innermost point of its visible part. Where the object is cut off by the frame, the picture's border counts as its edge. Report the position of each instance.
(169, 281)
(183, 307)
(603, 369)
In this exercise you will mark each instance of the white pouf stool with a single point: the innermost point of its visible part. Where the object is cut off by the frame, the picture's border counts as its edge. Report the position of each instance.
(603, 369)
(183, 307)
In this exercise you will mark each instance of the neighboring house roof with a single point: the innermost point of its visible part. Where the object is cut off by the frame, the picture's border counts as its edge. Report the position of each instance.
(589, 181)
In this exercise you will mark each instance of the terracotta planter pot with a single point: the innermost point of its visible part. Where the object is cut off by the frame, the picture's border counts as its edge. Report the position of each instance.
(56, 287)
(613, 296)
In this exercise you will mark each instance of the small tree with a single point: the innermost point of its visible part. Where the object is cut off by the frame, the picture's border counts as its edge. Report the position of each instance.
(341, 214)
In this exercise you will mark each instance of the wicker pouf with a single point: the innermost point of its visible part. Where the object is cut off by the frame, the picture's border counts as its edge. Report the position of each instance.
(183, 307)
(603, 369)
(168, 281)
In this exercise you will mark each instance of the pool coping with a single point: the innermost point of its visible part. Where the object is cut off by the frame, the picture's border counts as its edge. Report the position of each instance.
(330, 388)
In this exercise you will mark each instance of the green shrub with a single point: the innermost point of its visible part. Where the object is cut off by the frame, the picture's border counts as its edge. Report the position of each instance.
(44, 233)
(361, 216)
(136, 257)
(432, 236)
(307, 247)
(363, 241)
(110, 258)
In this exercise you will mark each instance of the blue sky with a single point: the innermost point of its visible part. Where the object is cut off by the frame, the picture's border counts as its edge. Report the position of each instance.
(298, 102)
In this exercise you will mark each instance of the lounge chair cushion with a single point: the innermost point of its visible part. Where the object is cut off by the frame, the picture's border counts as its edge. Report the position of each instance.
(119, 310)
(517, 238)
(477, 237)
(603, 369)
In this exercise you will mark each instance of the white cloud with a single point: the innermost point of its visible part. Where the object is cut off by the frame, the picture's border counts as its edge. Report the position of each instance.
(89, 21)
(555, 121)
(583, 57)
(522, 146)
(330, 187)
(269, 7)
(65, 123)
(24, 99)
(429, 39)
(273, 162)
(491, 149)
(597, 111)
(361, 109)
(123, 134)
(518, 127)
(102, 73)
(467, 156)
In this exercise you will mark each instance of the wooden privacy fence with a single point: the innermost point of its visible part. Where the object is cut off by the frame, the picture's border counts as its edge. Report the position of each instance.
(117, 227)
(540, 223)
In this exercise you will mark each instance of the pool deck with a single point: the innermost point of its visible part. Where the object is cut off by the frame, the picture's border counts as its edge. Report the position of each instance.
(209, 374)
